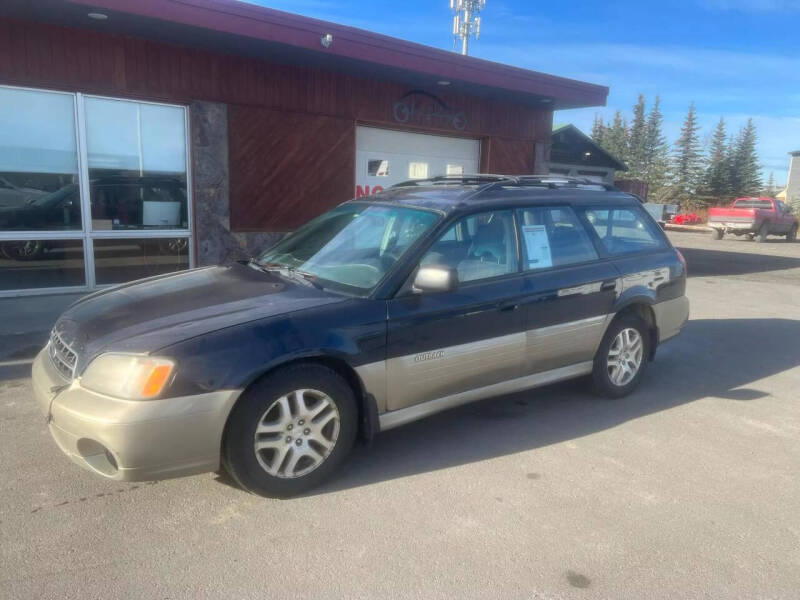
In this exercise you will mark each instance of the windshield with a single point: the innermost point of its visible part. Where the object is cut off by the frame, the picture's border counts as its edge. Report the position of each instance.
(352, 247)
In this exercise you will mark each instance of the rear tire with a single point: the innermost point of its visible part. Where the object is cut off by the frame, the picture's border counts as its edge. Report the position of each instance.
(716, 234)
(792, 235)
(620, 362)
(762, 234)
(290, 431)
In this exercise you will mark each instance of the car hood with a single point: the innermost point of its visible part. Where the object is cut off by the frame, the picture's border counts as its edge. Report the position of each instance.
(150, 314)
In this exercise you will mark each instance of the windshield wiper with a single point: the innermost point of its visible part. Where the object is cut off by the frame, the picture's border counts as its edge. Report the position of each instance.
(310, 277)
(292, 272)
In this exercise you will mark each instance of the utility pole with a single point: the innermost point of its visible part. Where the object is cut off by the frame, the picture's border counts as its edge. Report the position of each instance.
(466, 20)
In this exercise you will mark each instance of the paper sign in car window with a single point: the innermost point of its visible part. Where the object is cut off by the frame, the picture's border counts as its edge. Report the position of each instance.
(537, 245)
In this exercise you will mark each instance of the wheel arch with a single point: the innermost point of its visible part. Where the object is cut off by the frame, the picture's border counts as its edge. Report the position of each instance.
(367, 407)
(642, 306)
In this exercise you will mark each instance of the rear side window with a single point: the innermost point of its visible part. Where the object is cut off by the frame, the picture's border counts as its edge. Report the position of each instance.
(623, 230)
(553, 237)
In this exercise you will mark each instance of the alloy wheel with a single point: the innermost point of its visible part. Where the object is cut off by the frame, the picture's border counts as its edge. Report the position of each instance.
(625, 357)
(297, 433)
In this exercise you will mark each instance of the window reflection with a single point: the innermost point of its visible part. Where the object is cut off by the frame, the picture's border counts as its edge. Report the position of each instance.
(38, 161)
(121, 260)
(137, 165)
(138, 203)
(31, 264)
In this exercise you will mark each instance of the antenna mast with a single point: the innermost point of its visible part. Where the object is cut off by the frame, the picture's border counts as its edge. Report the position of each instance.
(466, 20)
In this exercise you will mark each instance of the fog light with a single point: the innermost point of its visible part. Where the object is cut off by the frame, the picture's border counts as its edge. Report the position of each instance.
(98, 457)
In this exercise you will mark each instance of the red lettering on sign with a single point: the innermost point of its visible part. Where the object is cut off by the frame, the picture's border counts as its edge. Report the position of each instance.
(364, 190)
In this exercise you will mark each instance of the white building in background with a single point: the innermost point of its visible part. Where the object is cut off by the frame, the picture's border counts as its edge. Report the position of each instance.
(791, 194)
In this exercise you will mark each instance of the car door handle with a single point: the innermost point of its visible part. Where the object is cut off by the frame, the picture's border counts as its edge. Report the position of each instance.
(607, 285)
(507, 306)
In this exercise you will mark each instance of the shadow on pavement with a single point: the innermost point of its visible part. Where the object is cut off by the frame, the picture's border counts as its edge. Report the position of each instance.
(15, 370)
(17, 353)
(720, 358)
(702, 262)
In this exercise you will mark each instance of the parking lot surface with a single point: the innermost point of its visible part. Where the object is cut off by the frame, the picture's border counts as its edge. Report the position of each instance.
(688, 488)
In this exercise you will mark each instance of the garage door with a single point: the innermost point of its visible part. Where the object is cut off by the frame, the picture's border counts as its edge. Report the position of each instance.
(385, 157)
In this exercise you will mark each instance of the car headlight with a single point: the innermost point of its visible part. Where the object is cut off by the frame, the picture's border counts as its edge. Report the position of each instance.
(128, 376)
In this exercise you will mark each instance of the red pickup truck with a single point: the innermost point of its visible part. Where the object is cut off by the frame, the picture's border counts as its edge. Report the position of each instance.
(755, 217)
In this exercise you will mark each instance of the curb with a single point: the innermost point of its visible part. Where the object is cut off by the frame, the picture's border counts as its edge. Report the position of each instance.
(687, 228)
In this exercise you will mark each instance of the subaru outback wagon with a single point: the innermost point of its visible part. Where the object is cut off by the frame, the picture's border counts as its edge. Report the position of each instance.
(380, 312)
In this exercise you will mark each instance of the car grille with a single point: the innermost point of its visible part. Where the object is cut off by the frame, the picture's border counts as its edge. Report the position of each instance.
(62, 356)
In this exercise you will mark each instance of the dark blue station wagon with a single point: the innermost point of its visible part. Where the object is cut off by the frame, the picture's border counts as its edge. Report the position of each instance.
(382, 311)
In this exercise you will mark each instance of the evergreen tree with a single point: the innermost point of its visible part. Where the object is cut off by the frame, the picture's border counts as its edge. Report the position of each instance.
(598, 130)
(687, 161)
(746, 162)
(770, 190)
(734, 180)
(615, 138)
(637, 159)
(716, 180)
(656, 151)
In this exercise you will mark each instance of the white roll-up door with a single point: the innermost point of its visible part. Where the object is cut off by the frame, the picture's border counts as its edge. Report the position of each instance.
(385, 157)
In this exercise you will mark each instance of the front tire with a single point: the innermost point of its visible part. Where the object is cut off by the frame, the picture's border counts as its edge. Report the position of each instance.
(290, 431)
(621, 359)
(716, 234)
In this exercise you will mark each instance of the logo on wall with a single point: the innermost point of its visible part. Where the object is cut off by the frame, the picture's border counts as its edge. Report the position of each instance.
(423, 108)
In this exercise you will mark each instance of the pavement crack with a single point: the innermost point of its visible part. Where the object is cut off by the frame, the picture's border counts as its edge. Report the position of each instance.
(117, 492)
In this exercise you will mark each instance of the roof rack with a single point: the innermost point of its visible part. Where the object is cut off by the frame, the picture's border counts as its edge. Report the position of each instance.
(470, 179)
(488, 181)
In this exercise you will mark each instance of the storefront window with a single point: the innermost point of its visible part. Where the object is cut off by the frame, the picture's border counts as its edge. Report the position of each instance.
(59, 195)
(34, 264)
(123, 259)
(137, 165)
(38, 161)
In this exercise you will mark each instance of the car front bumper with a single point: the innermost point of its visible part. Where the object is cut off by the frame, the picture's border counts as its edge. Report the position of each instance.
(132, 440)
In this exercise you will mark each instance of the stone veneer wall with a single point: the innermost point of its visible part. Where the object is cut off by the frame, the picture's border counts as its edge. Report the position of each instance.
(216, 243)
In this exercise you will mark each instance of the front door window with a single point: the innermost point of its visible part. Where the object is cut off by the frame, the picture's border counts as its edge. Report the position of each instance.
(479, 246)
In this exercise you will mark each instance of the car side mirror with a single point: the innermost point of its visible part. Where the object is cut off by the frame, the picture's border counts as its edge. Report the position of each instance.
(435, 279)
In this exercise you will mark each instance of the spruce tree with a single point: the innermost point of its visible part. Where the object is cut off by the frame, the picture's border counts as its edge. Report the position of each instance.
(598, 129)
(656, 152)
(734, 179)
(770, 191)
(615, 138)
(637, 160)
(687, 160)
(746, 161)
(716, 180)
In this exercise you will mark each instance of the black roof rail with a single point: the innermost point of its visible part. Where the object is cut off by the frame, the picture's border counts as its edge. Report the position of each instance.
(549, 181)
(486, 182)
(562, 181)
(468, 179)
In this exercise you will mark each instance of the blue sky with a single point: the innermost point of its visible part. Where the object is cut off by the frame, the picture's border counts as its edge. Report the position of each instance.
(733, 58)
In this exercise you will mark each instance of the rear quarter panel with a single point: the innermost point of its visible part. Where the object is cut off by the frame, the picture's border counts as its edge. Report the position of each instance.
(649, 278)
(657, 280)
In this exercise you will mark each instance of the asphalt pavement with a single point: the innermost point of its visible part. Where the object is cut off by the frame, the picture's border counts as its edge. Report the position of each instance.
(689, 488)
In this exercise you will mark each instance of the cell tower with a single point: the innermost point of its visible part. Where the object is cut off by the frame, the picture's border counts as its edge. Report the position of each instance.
(466, 20)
